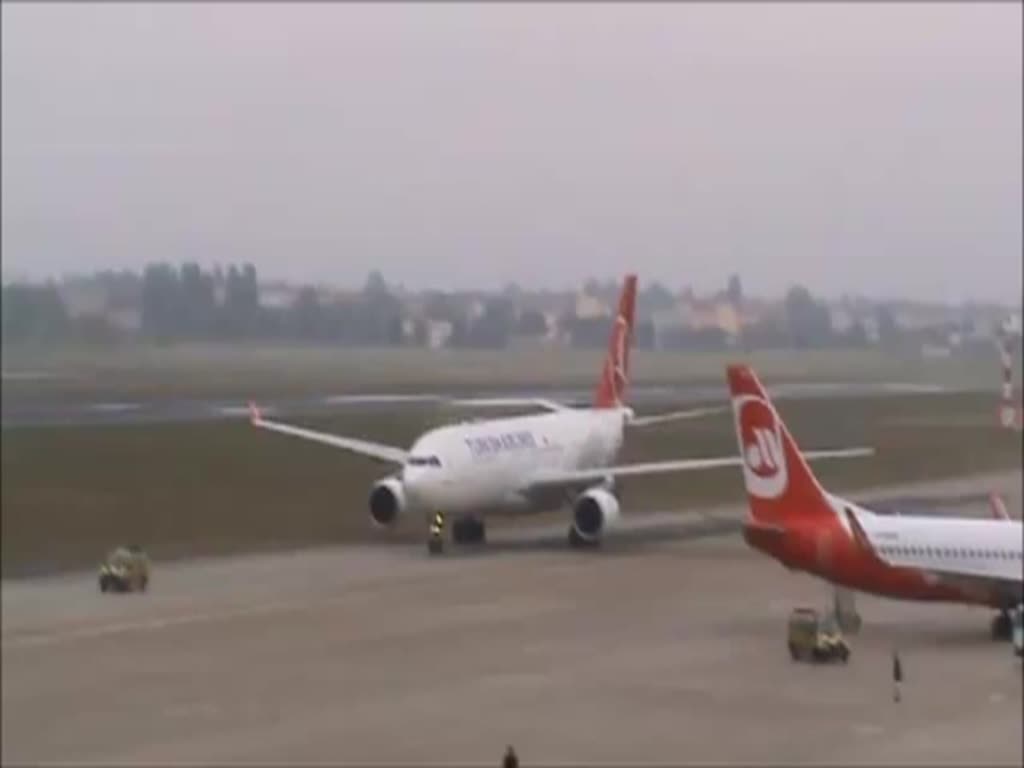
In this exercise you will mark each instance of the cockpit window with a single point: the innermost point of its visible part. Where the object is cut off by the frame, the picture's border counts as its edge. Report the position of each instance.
(423, 461)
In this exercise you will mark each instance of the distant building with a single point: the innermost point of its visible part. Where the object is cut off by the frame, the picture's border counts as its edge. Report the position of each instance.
(915, 316)
(588, 306)
(475, 310)
(128, 319)
(439, 332)
(841, 318)
(83, 298)
(277, 295)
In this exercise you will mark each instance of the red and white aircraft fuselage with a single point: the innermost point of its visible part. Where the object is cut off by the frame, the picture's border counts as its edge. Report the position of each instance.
(794, 520)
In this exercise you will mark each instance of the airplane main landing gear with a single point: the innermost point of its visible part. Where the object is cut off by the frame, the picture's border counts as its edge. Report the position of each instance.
(469, 530)
(844, 608)
(1002, 626)
(578, 542)
(435, 540)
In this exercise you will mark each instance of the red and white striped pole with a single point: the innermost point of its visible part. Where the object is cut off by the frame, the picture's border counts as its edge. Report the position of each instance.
(1009, 413)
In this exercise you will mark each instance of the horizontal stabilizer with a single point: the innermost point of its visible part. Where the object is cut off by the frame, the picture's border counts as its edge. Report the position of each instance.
(660, 418)
(508, 402)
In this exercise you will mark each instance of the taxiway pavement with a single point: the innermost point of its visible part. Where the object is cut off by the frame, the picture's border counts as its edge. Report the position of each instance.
(658, 648)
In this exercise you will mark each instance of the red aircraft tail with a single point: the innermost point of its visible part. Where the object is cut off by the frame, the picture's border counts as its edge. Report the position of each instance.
(780, 486)
(611, 389)
(997, 506)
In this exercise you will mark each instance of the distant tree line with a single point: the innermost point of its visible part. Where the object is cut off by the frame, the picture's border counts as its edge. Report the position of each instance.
(187, 303)
(34, 313)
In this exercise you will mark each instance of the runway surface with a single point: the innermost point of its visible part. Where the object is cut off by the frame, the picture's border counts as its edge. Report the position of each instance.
(657, 648)
(19, 412)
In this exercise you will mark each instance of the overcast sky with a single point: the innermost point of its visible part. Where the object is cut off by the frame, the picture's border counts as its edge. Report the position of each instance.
(868, 148)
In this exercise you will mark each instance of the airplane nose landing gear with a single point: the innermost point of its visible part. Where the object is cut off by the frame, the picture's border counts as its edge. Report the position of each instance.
(435, 540)
(466, 530)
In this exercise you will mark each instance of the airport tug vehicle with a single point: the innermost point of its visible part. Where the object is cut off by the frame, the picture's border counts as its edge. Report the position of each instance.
(816, 638)
(126, 569)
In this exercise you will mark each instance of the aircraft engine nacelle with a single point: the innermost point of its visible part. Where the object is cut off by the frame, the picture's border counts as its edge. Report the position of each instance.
(387, 501)
(594, 512)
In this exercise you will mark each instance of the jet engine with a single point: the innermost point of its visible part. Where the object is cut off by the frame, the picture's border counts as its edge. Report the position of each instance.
(387, 501)
(593, 512)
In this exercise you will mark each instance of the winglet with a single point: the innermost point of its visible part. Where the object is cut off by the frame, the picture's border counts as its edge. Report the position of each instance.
(997, 506)
(254, 413)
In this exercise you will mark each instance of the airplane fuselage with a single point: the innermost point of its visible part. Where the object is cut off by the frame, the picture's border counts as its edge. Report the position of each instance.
(903, 557)
(479, 467)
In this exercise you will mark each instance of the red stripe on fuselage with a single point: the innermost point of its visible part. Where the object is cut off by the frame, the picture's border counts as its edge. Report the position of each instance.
(828, 551)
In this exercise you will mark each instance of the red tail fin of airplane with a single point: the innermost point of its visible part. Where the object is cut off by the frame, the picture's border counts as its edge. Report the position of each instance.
(997, 506)
(611, 389)
(780, 486)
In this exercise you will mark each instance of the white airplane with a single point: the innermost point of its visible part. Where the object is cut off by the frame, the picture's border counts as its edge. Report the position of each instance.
(522, 464)
(912, 557)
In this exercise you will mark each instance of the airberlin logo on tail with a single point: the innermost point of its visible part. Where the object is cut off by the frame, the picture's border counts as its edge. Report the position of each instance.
(760, 438)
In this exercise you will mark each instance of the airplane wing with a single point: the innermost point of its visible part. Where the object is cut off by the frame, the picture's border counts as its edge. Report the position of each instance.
(376, 451)
(584, 477)
(659, 418)
(554, 407)
(508, 402)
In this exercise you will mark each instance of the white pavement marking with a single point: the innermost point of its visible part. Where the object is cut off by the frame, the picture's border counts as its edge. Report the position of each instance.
(148, 625)
(113, 407)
